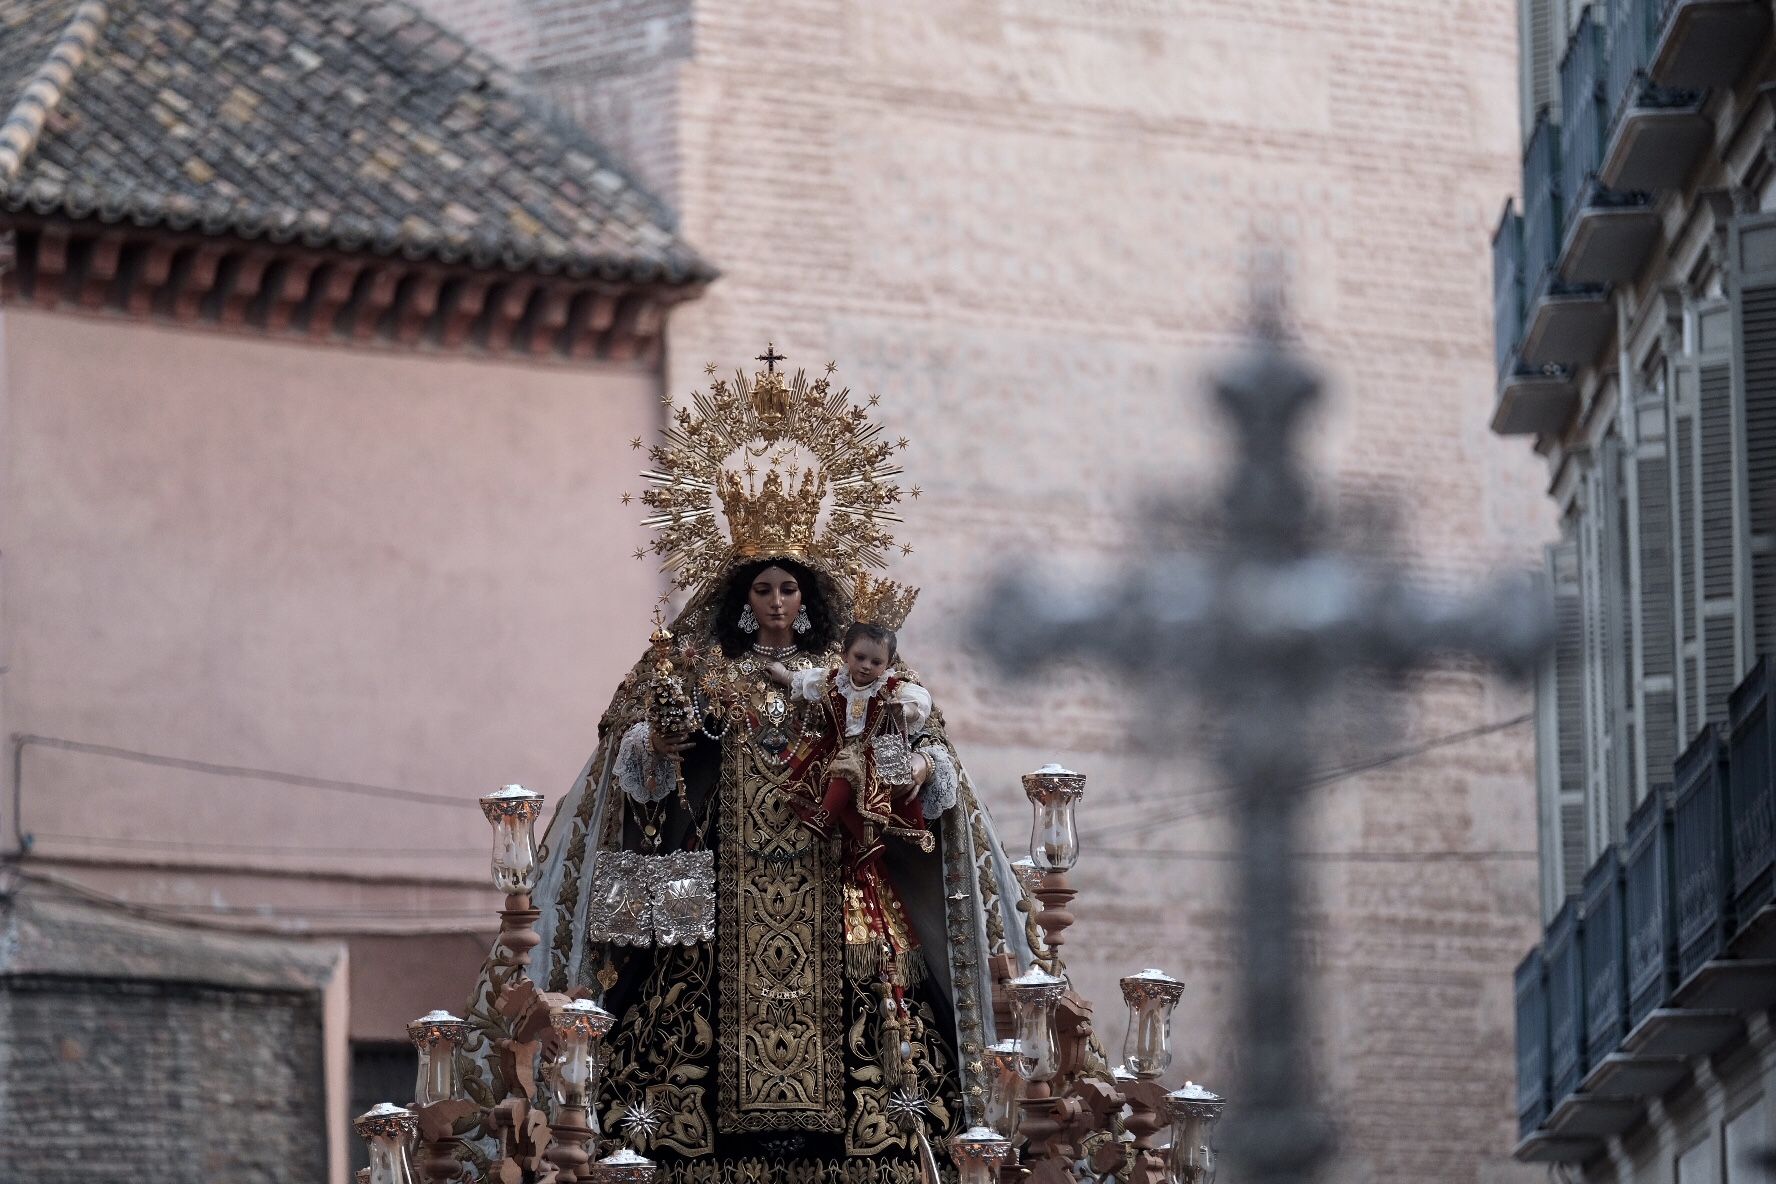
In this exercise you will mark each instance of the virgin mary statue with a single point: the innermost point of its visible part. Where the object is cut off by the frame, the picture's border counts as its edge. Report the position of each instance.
(787, 1006)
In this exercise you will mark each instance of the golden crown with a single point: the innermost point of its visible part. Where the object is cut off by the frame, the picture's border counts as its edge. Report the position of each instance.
(775, 517)
(770, 454)
(880, 602)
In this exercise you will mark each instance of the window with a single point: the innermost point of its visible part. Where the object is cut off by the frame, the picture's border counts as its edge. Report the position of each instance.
(1697, 1165)
(380, 1072)
(1744, 1136)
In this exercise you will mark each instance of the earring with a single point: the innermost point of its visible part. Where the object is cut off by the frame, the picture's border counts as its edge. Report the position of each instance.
(801, 624)
(749, 622)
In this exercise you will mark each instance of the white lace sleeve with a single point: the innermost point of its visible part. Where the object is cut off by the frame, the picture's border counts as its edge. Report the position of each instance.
(940, 789)
(915, 706)
(633, 755)
(809, 684)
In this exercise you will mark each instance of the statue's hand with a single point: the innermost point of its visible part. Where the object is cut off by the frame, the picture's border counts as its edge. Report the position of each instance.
(779, 673)
(921, 773)
(668, 743)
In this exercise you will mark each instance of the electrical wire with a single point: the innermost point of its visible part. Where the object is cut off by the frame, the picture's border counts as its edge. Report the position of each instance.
(183, 845)
(1324, 856)
(210, 916)
(243, 772)
(1210, 798)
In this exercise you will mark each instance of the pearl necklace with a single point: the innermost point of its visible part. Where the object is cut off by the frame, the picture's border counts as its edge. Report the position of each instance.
(775, 653)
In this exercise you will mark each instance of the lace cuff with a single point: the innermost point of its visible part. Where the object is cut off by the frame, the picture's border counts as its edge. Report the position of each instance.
(808, 684)
(633, 756)
(940, 788)
(915, 706)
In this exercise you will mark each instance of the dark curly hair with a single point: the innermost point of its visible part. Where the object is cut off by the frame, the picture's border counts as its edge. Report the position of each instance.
(817, 640)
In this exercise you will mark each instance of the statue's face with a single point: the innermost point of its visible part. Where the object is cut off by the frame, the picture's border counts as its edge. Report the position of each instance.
(776, 598)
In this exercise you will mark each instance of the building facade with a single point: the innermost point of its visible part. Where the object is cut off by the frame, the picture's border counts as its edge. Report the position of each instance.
(1028, 227)
(321, 347)
(1635, 288)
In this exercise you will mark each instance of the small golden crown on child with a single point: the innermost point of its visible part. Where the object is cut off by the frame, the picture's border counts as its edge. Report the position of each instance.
(880, 602)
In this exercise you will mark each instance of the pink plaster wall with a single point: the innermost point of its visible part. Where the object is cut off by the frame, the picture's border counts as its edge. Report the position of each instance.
(391, 570)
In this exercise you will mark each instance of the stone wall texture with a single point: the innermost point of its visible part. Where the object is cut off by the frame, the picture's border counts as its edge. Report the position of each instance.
(159, 1083)
(1029, 225)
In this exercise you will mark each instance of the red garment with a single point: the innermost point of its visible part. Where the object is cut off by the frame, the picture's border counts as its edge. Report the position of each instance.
(834, 778)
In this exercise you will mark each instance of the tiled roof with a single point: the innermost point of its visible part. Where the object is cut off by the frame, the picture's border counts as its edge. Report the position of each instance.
(356, 127)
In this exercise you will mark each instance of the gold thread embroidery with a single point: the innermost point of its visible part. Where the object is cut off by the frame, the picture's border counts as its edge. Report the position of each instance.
(780, 942)
(658, 1060)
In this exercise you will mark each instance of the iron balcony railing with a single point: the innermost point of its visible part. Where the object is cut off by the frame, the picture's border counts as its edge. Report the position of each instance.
(1507, 289)
(1602, 953)
(1532, 1042)
(1694, 871)
(1751, 789)
(1566, 1001)
(1581, 111)
(1543, 209)
(1647, 903)
(1699, 847)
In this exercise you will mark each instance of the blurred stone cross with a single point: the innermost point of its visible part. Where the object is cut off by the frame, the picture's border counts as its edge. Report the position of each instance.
(1260, 630)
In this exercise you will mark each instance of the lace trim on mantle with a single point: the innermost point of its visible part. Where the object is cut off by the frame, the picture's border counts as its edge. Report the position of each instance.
(632, 767)
(941, 791)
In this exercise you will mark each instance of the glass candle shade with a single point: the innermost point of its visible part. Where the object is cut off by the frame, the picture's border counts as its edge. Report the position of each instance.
(1004, 1086)
(389, 1130)
(624, 1167)
(513, 811)
(978, 1154)
(1151, 997)
(580, 1025)
(1053, 792)
(1033, 999)
(1194, 1111)
(436, 1036)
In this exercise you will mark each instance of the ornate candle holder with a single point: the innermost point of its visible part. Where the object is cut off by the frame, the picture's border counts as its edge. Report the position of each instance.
(438, 1099)
(389, 1130)
(1194, 1111)
(1152, 996)
(624, 1167)
(978, 1155)
(1054, 849)
(579, 1026)
(513, 811)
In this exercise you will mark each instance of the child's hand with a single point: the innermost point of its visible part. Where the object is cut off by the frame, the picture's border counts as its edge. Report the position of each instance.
(779, 673)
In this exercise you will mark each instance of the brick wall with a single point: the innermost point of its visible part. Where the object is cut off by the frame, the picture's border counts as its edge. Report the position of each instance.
(159, 1083)
(1027, 224)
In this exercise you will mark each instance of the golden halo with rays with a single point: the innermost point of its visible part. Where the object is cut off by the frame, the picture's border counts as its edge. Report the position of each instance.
(770, 454)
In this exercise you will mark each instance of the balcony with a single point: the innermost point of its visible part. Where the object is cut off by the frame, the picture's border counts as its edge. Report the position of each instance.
(1609, 232)
(1565, 323)
(1707, 42)
(1655, 134)
(1531, 402)
(1665, 953)
(1751, 803)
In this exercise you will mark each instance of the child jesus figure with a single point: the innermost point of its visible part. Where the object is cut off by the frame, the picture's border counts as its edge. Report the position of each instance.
(858, 769)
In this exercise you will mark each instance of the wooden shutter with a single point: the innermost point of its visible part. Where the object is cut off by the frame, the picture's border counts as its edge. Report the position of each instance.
(1560, 736)
(1710, 533)
(1753, 296)
(1653, 590)
(1543, 27)
(1603, 593)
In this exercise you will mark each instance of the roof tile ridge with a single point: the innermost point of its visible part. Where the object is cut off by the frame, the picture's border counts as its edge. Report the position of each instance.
(23, 124)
